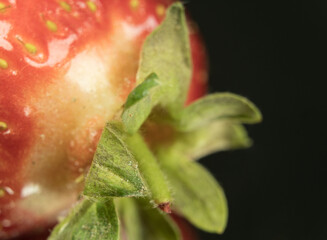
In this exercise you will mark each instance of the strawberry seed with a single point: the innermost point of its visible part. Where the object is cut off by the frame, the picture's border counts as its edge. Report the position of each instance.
(3, 126)
(3, 63)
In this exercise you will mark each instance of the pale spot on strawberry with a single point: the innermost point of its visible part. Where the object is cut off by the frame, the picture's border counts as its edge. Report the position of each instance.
(27, 111)
(7, 132)
(79, 110)
(6, 223)
(51, 26)
(160, 10)
(37, 207)
(3, 126)
(42, 136)
(79, 72)
(3, 63)
(9, 190)
(132, 31)
(91, 5)
(65, 6)
(4, 30)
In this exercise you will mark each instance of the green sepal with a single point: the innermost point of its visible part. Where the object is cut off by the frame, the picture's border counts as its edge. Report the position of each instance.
(139, 104)
(166, 52)
(197, 195)
(217, 106)
(114, 171)
(217, 136)
(89, 220)
(139, 221)
(142, 90)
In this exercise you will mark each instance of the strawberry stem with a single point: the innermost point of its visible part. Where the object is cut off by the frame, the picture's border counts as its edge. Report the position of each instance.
(151, 172)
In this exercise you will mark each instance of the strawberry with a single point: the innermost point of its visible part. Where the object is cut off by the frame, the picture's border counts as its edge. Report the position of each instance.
(66, 69)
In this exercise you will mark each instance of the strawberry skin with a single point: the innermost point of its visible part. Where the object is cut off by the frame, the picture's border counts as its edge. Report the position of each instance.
(66, 68)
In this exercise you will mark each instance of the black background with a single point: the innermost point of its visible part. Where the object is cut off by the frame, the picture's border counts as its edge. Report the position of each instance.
(271, 52)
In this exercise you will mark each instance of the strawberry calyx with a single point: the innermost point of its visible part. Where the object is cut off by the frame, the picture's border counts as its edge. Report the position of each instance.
(134, 181)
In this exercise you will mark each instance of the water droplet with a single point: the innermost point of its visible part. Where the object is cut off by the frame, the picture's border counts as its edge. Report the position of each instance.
(30, 189)
(9, 190)
(42, 136)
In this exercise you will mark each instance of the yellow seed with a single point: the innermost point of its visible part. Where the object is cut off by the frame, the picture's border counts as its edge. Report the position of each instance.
(160, 10)
(3, 63)
(3, 126)
(3, 7)
(2, 192)
(30, 48)
(79, 179)
(65, 6)
(91, 6)
(51, 26)
(134, 3)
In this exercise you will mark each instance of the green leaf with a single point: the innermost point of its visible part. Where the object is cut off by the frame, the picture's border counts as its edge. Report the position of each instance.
(89, 220)
(165, 52)
(218, 106)
(139, 221)
(114, 171)
(197, 195)
(217, 136)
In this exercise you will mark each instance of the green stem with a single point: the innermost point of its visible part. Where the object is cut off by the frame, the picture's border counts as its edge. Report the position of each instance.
(150, 171)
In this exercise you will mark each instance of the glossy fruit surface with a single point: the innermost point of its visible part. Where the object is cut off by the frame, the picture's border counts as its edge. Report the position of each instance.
(66, 67)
